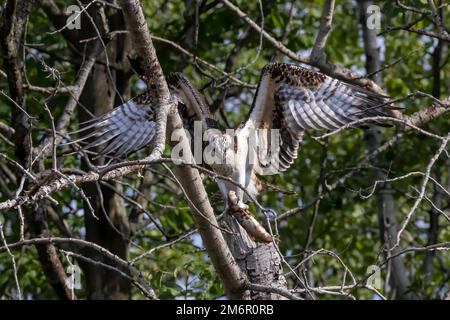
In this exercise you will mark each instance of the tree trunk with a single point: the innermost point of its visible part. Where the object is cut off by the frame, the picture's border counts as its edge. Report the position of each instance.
(11, 32)
(386, 211)
(259, 261)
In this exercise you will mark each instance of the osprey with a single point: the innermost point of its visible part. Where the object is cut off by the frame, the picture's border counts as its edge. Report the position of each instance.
(289, 99)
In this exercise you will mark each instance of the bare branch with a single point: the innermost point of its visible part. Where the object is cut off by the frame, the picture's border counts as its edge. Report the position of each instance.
(189, 177)
(422, 188)
(317, 53)
(86, 244)
(325, 67)
(13, 261)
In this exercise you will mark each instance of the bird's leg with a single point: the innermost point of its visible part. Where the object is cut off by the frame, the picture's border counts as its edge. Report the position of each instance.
(240, 211)
(239, 177)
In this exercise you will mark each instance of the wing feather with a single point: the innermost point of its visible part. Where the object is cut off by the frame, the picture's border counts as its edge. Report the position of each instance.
(294, 99)
(131, 126)
(125, 129)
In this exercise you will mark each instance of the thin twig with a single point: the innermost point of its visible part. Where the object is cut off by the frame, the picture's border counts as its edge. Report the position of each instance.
(13, 261)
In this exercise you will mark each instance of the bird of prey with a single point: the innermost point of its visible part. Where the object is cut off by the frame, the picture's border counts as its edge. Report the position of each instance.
(289, 98)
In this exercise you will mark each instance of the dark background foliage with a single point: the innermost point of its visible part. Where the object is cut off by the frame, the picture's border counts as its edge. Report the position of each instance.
(345, 221)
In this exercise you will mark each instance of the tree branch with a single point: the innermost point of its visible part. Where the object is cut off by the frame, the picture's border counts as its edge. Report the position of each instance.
(327, 68)
(317, 54)
(189, 177)
(81, 244)
(64, 120)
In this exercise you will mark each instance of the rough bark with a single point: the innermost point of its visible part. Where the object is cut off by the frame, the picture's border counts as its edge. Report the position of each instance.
(259, 261)
(14, 18)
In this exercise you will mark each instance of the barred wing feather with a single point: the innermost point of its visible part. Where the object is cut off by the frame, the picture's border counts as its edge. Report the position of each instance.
(123, 130)
(293, 99)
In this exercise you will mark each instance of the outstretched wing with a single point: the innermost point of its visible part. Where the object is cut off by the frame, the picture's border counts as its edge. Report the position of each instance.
(293, 99)
(125, 129)
(191, 103)
(131, 126)
(192, 106)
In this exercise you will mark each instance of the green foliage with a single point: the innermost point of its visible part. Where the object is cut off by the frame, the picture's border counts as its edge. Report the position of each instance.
(346, 222)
